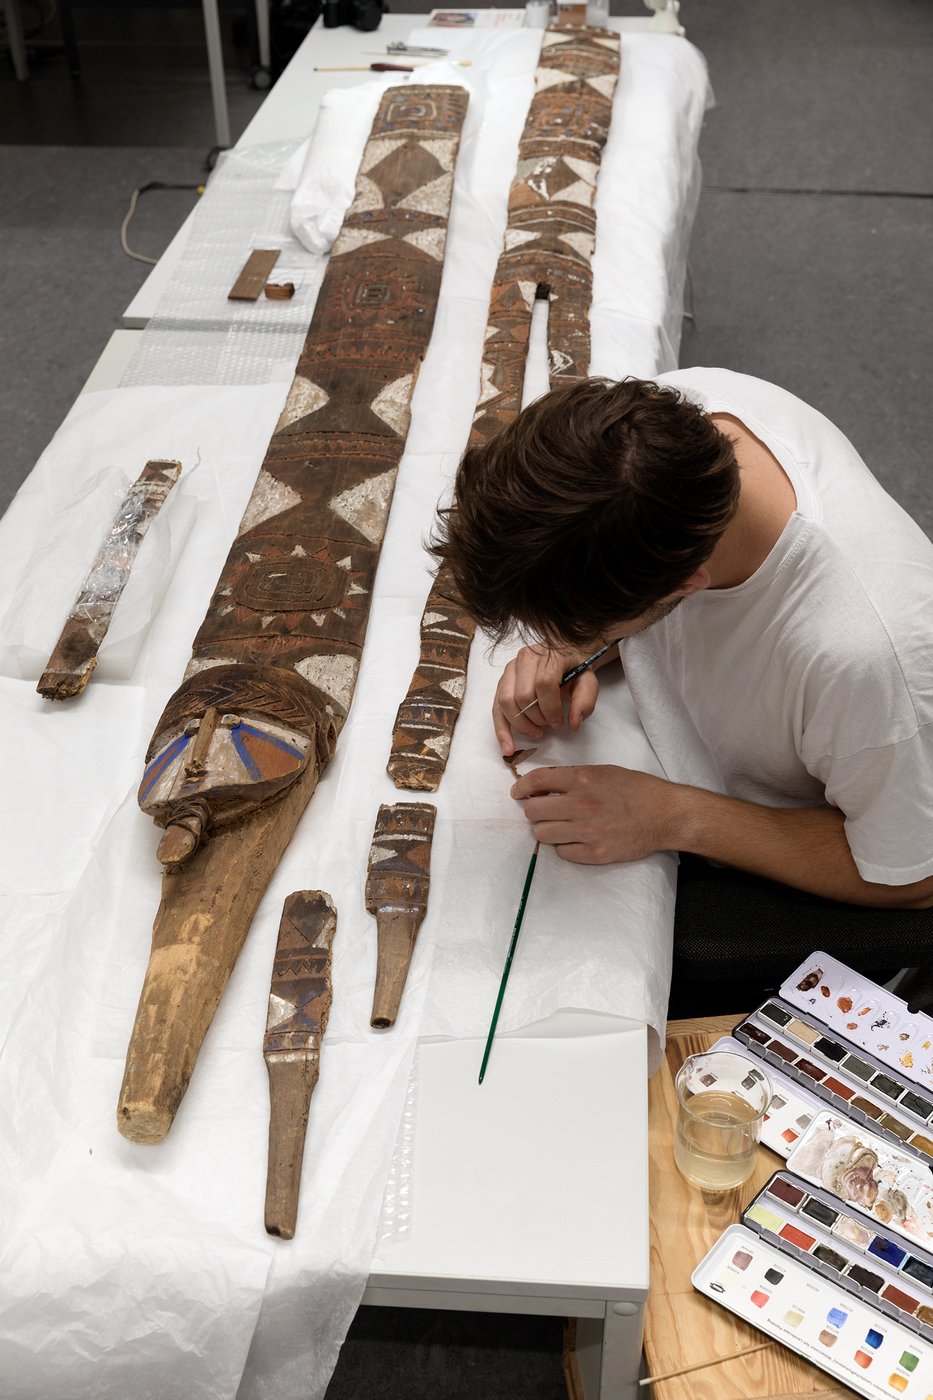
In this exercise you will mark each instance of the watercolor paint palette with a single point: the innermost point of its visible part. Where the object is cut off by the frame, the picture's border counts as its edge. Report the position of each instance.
(853, 1083)
(817, 1318)
(847, 1248)
(863, 1170)
(792, 1109)
(865, 1015)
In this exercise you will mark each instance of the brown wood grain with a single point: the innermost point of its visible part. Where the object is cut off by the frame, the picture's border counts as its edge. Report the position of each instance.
(682, 1327)
(253, 275)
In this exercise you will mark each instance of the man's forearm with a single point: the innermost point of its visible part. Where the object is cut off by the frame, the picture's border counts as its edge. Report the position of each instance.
(802, 847)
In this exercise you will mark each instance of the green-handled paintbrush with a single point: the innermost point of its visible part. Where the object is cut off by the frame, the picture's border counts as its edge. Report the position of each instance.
(508, 959)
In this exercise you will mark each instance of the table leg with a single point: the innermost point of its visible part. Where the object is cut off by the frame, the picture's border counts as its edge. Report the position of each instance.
(215, 63)
(609, 1352)
(262, 29)
(14, 32)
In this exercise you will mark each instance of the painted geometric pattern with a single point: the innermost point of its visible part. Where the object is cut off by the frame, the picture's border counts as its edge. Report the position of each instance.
(549, 243)
(292, 602)
(400, 857)
(300, 995)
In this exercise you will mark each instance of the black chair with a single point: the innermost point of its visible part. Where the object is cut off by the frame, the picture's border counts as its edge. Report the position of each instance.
(737, 937)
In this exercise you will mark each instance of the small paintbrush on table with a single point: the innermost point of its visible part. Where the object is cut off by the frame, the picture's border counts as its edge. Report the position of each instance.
(513, 761)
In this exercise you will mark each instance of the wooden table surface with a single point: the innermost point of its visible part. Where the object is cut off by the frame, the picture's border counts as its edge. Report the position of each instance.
(681, 1326)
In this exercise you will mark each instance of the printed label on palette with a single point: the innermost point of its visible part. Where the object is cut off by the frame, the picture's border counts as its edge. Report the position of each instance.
(864, 1014)
(792, 1109)
(812, 1316)
(861, 1257)
(860, 1168)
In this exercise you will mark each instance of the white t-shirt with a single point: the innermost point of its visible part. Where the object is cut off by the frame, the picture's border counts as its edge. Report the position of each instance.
(812, 682)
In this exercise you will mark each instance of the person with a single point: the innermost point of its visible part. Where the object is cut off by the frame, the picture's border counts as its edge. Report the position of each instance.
(774, 613)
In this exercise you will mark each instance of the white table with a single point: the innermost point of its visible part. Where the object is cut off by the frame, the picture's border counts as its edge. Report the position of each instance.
(533, 1197)
(530, 1194)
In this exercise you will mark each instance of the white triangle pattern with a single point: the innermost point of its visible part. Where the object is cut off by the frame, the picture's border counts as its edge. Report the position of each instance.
(392, 404)
(366, 505)
(280, 1011)
(432, 198)
(350, 238)
(429, 240)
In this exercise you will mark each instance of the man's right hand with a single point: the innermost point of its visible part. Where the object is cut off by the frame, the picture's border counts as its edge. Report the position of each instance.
(534, 676)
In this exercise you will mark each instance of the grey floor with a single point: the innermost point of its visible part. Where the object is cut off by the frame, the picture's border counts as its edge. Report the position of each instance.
(811, 267)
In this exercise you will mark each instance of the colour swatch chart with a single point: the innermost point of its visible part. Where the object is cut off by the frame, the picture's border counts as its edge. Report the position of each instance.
(851, 1081)
(816, 1318)
(865, 1015)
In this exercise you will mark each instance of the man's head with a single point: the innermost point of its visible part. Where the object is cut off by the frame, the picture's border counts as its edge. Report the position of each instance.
(597, 505)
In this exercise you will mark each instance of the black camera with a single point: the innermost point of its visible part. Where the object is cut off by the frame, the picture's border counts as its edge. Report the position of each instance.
(362, 14)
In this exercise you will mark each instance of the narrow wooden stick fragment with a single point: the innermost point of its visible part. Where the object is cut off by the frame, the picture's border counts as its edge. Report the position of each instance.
(702, 1365)
(397, 894)
(254, 275)
(548, 250)
(299, 1004)
(75, 653)
(280, 291)
(424, 725)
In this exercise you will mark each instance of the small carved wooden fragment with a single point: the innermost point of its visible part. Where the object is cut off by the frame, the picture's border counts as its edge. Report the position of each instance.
(299, 1004)
(240, 745)
(280, 291)
(254, 275)
(425, 722)
(548, 249)
(75, 654)
(397, 893)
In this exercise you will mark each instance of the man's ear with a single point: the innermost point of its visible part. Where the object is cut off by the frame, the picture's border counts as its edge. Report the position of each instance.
(697, 581)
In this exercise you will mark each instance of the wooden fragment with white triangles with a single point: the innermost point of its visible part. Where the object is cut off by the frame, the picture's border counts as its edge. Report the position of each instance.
(549, 243)
(299, 1005)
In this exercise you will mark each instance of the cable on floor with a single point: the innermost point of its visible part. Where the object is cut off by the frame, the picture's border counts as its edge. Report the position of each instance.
(859, 194)
(134, 200)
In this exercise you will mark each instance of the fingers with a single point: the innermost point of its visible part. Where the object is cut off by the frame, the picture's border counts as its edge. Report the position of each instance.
(542, 782)
(583, 695)
(537, 684)
(531, 680)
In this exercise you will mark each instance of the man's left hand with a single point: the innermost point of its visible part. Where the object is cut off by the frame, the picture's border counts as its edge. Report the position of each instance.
(601, 814)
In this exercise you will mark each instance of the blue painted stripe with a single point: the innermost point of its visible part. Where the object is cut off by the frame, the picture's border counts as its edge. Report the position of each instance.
(158, 765)
(245, 757)
(271, 739)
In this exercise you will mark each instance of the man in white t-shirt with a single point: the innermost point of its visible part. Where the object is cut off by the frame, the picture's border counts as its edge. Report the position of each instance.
(775, 614)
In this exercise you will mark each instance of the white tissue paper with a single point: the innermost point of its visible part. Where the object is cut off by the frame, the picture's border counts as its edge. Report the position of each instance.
(146, 1271)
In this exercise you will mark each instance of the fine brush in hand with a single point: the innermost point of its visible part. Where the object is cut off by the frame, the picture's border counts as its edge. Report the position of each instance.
(572, 674)
(508, 959)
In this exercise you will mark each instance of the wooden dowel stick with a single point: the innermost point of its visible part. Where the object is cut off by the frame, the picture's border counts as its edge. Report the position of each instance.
(700, 1365)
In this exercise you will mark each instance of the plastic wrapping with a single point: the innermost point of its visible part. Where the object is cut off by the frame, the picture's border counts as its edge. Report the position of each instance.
(60, 575)
(197, 335)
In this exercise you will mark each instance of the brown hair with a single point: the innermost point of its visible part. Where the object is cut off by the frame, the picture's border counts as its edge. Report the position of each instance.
(593, 504)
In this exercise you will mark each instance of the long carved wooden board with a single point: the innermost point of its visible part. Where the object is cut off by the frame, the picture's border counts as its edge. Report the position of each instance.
(299, 1004)
(240, 745)
(397, 894)
(549, 244)
(74, 656)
